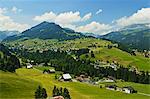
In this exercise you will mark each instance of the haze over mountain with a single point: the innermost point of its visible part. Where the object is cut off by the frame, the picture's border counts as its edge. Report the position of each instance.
(135, 36)
(5, 34)
(46, 30)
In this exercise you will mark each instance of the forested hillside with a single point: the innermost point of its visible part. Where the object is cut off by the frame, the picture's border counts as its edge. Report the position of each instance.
(136, 36)
(8, 61)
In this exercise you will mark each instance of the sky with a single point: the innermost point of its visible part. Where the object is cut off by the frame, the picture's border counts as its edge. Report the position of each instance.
(93, 16)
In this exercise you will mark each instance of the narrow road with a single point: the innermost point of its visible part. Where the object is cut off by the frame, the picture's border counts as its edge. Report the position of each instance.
(143, 94)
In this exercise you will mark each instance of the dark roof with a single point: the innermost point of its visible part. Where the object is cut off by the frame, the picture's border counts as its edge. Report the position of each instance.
(111, 86)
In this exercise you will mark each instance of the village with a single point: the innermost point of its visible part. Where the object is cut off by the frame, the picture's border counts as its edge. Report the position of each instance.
(105, 82)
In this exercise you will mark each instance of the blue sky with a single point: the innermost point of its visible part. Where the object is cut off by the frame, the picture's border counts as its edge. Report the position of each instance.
(111, 9)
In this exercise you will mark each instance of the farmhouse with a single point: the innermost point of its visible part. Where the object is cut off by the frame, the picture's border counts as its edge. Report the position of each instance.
(83, 78)
(66, 77)
(49, 71)
(128, 89)
(52, 70)
(108, 79)
(114, 66)
(29, 66)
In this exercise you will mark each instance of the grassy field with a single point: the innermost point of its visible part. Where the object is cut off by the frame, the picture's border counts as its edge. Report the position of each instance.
(24, 82)
(123, 58)
(42, 68)
(141, 88)
(101, 51)
(15, 86)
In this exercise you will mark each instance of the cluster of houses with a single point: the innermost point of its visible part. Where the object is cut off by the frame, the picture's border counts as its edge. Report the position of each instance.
(127, 89)
(99, 63)
(86, 79)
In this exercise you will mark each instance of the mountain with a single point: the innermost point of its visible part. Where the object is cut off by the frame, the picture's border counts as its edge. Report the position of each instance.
(5, 34)
(46, 30)
(135, 36)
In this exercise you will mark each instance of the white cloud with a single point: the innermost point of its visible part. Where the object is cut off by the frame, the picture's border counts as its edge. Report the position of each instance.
(3, 10)
(50, 16)
(68, 19)
(63, 19)
(86, 17)
(140, 17)
(95, 27)
(15, 9)
(99, 11)
(7, 23)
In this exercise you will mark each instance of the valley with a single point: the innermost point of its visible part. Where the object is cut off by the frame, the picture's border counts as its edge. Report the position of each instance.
(93, 67)
(98, 46)
(32, 77)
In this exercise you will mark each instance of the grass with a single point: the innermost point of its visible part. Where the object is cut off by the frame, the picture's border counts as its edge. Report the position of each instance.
(42, 68)
(142, 88)
(14, 86)
(123, 58)
(25, 81)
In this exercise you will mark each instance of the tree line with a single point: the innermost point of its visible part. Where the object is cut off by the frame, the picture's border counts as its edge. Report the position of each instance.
(61, 92)
(8, 61)
(61, 61)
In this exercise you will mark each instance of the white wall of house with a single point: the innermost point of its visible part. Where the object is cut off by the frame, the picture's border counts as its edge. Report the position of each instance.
(126, 90)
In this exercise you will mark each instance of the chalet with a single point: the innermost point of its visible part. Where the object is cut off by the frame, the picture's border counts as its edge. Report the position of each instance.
(29, 66)
(115, 45)
(114, 66)
(111, 87)
(66, 77)
(49, 71)
(108, 79)
(58, 97)
(128, 90)
(79, 79)
(83, 78)
(52, 70)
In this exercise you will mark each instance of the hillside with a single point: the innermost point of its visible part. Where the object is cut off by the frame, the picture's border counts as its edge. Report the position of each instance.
(8, 61)
(134, 37)
(14, 86)
(98, 46)
(46, 30)
(29, 79)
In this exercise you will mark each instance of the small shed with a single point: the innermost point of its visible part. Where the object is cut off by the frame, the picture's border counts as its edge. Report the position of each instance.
(29, 66)
(128, 90)
(66, 77)
(51, 70)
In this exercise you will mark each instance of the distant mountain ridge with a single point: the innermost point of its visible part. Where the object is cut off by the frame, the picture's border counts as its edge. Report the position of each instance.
(136, 36)
(46, 30)
(5, 34)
